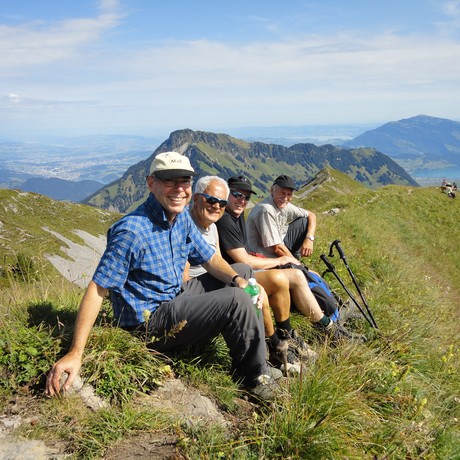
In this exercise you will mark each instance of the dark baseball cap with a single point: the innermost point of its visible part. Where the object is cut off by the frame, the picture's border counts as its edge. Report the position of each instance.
(286, 182)
(240, 183)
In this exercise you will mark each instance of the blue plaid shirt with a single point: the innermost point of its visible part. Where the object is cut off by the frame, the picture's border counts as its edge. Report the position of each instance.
(145, 257)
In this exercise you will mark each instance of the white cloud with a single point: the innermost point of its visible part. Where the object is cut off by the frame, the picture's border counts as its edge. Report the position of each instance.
(38, 42)
(451, 9)
(343, 61)
(69, 77)
(203, 81)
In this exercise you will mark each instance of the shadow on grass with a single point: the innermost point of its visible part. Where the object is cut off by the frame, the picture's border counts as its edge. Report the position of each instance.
(46, 313)
(58, 318)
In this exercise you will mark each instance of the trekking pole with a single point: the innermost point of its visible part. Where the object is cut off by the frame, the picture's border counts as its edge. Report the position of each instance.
(331, 269)
(336, 243)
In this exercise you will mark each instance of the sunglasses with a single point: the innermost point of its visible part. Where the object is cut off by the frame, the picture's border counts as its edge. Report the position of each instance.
(239, 195)
(213, 200)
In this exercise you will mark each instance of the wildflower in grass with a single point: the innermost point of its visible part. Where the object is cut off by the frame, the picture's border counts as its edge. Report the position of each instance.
(422, 403)
(177, 328)
(394, 368)
(167, 369)
(448, 360)
(146, 315)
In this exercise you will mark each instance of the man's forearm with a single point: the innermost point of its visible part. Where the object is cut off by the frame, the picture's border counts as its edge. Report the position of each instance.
(87, 314)
(282, 250)
(311, 225)
(71, 362)
(220, 269)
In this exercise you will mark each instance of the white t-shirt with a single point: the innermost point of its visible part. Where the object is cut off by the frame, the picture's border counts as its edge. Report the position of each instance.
(267, 225)
(211, 235)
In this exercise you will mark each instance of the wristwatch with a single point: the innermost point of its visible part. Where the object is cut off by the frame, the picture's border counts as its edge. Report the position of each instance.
(233, 284)
(311, 238)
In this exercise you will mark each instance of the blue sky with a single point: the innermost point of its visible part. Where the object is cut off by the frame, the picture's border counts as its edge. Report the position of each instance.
(150, 67)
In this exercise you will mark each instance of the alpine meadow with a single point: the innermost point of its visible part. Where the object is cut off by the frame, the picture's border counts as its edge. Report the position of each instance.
(396, 396)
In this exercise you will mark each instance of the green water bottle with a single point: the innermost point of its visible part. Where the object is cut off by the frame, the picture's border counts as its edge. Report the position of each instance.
(253, 290)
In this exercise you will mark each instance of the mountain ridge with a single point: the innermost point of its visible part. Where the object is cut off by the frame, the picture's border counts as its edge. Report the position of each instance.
(224, 155)
(417, 143)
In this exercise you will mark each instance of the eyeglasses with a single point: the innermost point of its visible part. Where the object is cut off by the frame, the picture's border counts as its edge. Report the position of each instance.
(240, 196)
(184, 183)
(213, 200)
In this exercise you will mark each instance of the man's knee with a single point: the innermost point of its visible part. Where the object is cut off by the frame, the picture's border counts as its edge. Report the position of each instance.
(278, 279)
(244, 309)
(299, 224)
(233, 299)
(296, 278)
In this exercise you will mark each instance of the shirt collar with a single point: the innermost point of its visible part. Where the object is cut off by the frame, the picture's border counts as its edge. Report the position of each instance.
(155, 210)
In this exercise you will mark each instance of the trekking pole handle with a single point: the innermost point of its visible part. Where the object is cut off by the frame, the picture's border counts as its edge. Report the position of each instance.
(339, 248)
(329, 266)
(336, 243)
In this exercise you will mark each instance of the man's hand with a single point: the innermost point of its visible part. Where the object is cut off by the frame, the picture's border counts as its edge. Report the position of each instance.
(306, 249)
(262, 297)
(71, 364)
(287, 260)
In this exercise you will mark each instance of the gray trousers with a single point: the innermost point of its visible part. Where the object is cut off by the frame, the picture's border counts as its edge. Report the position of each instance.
(205, 309)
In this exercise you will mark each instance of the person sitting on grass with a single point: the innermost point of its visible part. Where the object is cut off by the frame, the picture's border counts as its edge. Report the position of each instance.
(277, 228)
(142, 270)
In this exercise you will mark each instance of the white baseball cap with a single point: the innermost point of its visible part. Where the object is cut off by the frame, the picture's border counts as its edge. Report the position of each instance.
(169, 165)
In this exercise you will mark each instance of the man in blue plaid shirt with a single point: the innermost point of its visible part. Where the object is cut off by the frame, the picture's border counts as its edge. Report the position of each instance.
(142, 269)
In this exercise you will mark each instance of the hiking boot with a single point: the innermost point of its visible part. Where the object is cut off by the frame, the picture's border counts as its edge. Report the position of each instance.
(348, 311)
(266, 388)
(274, 373)
(284, 359)
(337, 332)
(298, 345)
(279, 354)
(293, 370)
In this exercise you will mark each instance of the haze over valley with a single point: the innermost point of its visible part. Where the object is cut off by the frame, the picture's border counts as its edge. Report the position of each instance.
(428, 148)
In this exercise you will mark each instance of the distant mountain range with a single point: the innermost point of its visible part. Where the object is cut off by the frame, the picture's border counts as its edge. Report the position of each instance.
(303, 134)
(423, 145)
(223, 155)
(428, 148)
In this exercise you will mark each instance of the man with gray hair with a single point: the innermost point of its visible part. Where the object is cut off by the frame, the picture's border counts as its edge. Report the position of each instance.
(278, 228)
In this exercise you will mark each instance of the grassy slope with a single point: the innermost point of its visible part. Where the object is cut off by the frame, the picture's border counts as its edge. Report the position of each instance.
(396, 397)
(25, 221)
(401, 245)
